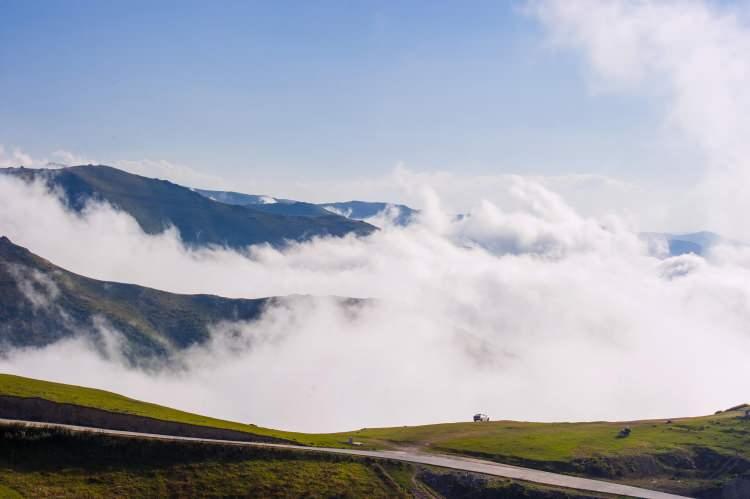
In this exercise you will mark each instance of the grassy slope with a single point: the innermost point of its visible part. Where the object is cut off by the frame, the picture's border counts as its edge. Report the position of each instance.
(42, 463)
(694, 457)
(210, 479)
(554, 442)
(57, 463)
(89, 397)
(726, 433)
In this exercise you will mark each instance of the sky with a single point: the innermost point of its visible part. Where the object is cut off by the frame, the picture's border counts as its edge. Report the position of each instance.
(322, 91)
(633, 108)
(562, 128)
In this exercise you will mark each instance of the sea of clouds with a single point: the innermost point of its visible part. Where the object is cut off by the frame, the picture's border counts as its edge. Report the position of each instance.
(527, 308)
(536, 313)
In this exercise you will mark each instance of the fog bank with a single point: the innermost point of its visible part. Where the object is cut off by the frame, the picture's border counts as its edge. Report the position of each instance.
(533, 313)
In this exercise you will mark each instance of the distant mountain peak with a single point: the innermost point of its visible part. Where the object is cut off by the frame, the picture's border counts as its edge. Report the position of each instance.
(353, 210)
(158, 204)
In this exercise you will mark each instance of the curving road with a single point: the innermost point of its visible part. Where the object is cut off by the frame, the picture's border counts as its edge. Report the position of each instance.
(441, 460)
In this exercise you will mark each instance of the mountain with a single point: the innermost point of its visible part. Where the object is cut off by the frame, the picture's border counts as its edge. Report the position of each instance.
(41, 303)
(354, 210)
(361, 210)
(682, 247)
(240, 199)
(704, 239)
(157, 204)
(698, 243)
(712, 451)
(294, 208)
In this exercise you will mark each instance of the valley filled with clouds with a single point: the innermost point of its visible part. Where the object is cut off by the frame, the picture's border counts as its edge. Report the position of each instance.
(528, 297)
(514, 311)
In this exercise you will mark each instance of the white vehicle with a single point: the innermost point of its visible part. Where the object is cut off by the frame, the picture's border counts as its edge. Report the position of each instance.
(479, 417)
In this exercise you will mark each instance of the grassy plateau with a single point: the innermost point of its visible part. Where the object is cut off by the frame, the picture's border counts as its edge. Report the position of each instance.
(687, 455)
(725, 432)
(100, 399)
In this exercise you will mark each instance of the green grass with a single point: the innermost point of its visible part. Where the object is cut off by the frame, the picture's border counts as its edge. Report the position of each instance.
(242, 479)
(49, 462)
(724, 433)
(8, 493)
(57, 463)
(209, 479)
(689, 456)
(89, 397)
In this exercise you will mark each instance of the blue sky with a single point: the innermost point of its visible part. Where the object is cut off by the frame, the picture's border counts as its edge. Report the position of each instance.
(315, 90)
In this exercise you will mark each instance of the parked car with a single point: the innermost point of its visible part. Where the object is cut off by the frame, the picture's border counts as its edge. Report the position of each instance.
(479, 417)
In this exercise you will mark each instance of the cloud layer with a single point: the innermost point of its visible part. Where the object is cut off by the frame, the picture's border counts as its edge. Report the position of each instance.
(530, 312)
(590, 194)
(525, 309)
(690, 55)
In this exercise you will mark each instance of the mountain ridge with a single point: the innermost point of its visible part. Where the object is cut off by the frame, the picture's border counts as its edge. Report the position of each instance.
(354, 210)
(41, 303)
(158, 204)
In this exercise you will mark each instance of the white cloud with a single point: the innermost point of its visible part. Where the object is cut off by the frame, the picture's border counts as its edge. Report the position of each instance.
(155, 168)
(38, 288)
(691, 54)
(594, 195)
(527, 311)
(178, 173)
(14, 157)
(67, 158)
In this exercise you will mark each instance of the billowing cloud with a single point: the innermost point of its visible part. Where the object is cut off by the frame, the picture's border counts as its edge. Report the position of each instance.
(594, 195)
(67, 158)
(536, 305)
(13, 157)
(155, 168)
(530, 311)
(690, 55)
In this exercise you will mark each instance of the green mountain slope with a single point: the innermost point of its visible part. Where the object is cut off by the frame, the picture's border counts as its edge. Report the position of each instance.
(158, 204)
(697, 456)
(41, 303)
(19, 386)
(37, 463)
(55, 463)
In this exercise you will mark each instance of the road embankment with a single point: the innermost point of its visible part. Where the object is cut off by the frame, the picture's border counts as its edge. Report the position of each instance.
(45, 411)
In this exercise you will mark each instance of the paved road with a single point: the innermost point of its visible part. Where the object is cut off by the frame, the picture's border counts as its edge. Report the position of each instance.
(441, 460)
